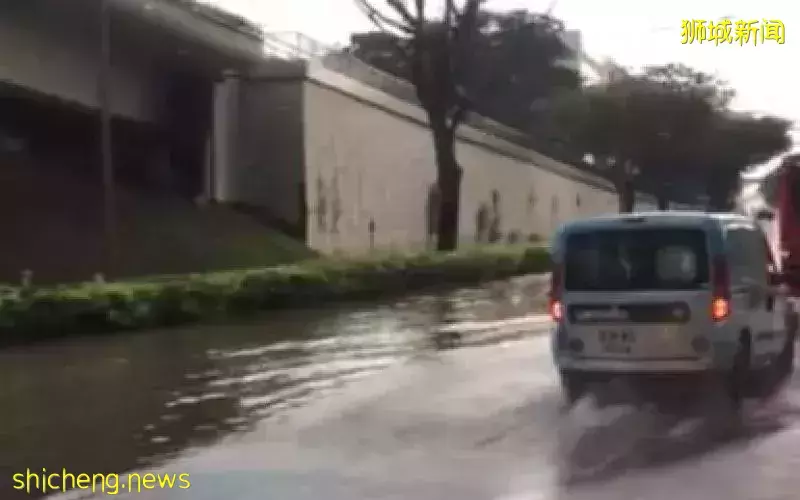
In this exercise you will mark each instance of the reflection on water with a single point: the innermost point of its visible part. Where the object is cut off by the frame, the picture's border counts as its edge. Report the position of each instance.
(110, 404)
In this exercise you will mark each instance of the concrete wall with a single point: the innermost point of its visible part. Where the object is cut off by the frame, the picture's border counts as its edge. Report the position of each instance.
(365, 162)
(225, 128)
(270, 148)
(34, 56)
(369, 157)
(258, 139)
(227, 35)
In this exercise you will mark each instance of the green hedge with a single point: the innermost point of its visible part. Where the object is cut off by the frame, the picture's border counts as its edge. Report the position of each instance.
(33, 314)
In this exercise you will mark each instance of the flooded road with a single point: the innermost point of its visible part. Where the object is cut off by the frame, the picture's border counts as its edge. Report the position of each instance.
(364, 405)
(111, 404)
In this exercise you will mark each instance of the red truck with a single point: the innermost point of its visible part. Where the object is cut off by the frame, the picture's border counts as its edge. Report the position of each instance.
(782, 226)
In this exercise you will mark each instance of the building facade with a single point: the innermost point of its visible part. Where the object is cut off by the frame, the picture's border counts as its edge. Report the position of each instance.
(201, 110)
(351, 167)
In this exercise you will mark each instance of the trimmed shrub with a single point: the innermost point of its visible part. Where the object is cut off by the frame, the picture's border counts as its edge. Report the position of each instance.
(93, 308)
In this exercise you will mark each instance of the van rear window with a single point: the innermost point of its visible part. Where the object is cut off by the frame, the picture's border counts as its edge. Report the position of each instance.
(636, 259)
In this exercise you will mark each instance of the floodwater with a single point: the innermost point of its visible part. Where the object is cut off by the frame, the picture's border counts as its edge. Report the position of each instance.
(437, 396)
(128, 401)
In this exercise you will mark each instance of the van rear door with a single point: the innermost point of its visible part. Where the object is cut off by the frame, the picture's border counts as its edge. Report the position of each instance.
(638, 293)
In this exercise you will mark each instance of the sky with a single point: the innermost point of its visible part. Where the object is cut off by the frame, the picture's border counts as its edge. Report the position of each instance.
(633, 33)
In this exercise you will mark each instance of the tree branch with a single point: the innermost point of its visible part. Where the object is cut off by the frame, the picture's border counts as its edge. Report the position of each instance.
(467, 22)
(458, 113)
(400, 7)
(451, 13)
(458, 117)
(420, 10)
(466, 26)
(469, 16)
(381, 21)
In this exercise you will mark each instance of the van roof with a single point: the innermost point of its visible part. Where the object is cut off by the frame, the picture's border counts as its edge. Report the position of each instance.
(657, 218)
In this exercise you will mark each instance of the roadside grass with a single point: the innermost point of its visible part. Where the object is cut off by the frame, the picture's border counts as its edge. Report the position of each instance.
(29, 314)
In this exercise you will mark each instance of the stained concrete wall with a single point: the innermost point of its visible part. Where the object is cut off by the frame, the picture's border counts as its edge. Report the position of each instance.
(369, 157)
(270, 148)
(365, 161)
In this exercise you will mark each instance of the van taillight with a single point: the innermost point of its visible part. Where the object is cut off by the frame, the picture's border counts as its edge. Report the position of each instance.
(720, 289)
(556, 310)
(555, 307)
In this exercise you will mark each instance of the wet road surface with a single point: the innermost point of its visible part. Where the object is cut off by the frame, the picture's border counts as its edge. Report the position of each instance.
(484, 423)
(121, 402)
(376, 413)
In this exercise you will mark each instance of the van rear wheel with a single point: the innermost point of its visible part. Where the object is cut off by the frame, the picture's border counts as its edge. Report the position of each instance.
(574, 386)
(785, 361)
(771, 378)
(740, 378)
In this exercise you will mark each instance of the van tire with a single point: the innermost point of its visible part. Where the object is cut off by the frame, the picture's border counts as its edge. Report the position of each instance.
(784, 364)
(573, 386)
(740, 378)
(771, 379)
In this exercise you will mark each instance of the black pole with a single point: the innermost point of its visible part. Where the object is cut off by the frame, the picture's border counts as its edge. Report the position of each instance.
(106, 154)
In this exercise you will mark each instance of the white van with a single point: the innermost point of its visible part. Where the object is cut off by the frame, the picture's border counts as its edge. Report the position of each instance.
(668, 293)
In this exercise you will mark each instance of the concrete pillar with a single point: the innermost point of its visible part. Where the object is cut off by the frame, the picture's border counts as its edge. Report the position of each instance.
(208, 168)
(224, 143)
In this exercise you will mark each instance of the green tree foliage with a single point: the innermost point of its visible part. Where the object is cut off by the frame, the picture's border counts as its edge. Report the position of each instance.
(515, 63)
(673, 124)
(737, 141)
(460, 60)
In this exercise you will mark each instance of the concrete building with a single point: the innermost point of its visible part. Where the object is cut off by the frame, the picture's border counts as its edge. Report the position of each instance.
(167, 58)
(352, 166)
(320, 146)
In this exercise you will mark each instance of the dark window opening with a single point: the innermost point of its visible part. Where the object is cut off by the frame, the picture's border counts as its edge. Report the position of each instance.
(641, 259)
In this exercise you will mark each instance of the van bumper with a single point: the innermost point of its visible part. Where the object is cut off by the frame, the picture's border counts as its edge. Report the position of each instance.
(630, 366)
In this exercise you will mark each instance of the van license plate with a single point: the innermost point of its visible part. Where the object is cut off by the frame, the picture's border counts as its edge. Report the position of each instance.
(617, 341)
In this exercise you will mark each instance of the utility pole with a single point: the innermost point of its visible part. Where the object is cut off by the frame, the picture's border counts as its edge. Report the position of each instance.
(106, 153)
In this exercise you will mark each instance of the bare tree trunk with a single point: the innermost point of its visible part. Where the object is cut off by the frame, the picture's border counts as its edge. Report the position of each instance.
(664, 191)
(626, 194)
(449, 180)
(106, 151)
(626, 199)
(720, 192)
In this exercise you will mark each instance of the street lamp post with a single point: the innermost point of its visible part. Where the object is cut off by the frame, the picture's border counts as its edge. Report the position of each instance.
(106, 153)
